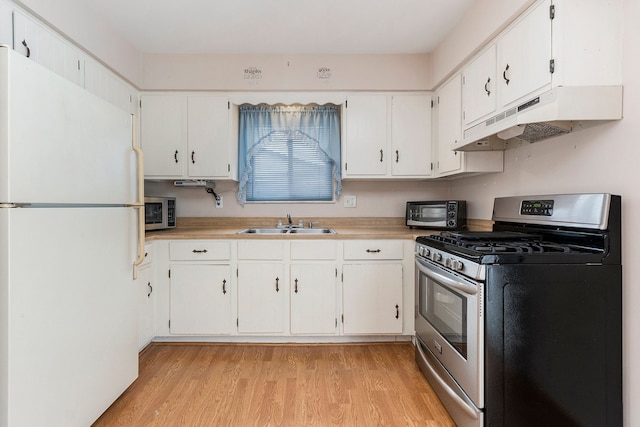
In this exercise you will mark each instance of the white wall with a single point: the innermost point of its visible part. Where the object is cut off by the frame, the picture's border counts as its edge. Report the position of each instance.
(374, 199)
(285, 72)
(600, 159)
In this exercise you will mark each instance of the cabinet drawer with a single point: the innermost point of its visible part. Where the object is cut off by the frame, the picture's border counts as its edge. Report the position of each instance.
(195, 250)
(314, 250)
(373, 249)
(255, 249)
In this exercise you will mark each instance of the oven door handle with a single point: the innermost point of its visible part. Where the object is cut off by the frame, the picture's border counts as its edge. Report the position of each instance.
(445, 387)
(446, 280)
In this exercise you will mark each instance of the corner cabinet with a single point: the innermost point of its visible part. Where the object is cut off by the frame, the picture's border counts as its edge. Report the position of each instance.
(387, 136)
(448, 133)
(188, 136)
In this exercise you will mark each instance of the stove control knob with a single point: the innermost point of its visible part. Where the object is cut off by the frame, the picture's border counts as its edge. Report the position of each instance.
(426, 252)
(436, 257)
(457, 265)
(447, 262)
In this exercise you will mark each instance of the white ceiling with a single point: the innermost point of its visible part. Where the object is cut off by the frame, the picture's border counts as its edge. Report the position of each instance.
(281, 26)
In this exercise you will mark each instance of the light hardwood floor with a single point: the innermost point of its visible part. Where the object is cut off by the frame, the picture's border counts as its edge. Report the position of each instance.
(278, 385)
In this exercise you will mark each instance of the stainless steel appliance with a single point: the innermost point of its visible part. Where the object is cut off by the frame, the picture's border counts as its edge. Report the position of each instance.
(159, 213)
(522, 325)
(437, 214)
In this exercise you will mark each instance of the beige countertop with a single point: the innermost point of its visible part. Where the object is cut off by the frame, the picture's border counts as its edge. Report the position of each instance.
(345, 228)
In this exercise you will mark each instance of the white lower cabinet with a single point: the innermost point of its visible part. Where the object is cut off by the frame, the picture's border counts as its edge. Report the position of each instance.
(313, 298)
(200, 291)
(278, 288)
(200, 299)
(372, 298)
(262, 298)
(146, 299)
(372, 283)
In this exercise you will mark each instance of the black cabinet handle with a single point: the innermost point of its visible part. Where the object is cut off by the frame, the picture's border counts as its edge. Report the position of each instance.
(277, 282)
(373, 251)
(24, 43)
(193, 160)
(504, 75)
(486, 86)
(175, 156)
(381, 156)
(224, 286)
(150, 289)
(198, 251)
(296, 286)
(397, 156)
(397, 312)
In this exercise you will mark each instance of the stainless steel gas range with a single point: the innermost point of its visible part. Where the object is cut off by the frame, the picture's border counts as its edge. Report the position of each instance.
(522, 325)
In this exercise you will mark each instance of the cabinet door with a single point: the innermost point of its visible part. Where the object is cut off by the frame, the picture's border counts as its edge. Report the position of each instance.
(372, 298)
(449, 126)
(163, 134)
(146, 315)
(47, 49)
(366, 144)
(262, 296)
(411, 135)
(208, 133)
(200, 299)
(478, 86)
(524, 52)
(313, 298)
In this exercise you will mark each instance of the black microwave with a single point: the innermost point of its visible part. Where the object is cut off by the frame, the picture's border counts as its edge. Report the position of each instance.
(159, 213)
(437, 214)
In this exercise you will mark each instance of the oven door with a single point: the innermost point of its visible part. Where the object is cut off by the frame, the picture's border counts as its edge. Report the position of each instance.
(450, 326)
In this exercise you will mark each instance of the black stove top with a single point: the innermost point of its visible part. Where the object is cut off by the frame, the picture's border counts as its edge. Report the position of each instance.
(510, 247)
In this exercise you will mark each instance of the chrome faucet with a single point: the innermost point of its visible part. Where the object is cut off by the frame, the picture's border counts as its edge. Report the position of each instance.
(289, 219)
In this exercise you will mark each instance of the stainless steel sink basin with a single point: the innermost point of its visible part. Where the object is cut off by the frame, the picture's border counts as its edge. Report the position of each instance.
(311, 231)
(305, 231)
(264, 231)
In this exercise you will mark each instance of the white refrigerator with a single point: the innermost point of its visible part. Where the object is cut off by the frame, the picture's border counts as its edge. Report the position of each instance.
(69, 238)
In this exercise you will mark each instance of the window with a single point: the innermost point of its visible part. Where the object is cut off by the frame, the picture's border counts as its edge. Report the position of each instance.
(289, 153)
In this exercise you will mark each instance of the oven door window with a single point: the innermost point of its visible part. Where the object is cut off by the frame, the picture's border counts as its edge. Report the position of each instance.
(446, 310)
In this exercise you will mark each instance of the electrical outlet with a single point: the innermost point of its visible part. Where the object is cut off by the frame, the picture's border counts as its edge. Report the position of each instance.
(349, 201)
(219, 201)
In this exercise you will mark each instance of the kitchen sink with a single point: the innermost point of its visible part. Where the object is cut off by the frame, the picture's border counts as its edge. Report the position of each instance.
(305, 231)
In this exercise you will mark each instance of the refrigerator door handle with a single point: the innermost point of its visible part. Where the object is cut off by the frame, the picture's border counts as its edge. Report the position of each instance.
(139, 205)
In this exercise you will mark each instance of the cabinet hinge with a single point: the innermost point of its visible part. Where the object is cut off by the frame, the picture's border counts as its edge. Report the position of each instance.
(169, 274)
(438, 99)
(552, 65)
(336, 322)
(228, 105)
(552, 11)
(342, 277)
(78, 65)
(141, 103)
(228, 167)
(169, 323)
(336, 272)
(342, 318)
(432, 103)
(464, 80)
(236, 272)
(431, 165)
(345, 103)
(237, 322)
(345, 167)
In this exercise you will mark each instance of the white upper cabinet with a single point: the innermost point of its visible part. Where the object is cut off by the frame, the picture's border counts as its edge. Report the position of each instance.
(448, 134)
(46, 48)
(387, 136)
(479, 86)
(187, 136)
(411, 135)
(524, 55)
(365, 147)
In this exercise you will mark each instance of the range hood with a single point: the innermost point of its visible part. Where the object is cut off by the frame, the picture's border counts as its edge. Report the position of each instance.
(556, 112)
